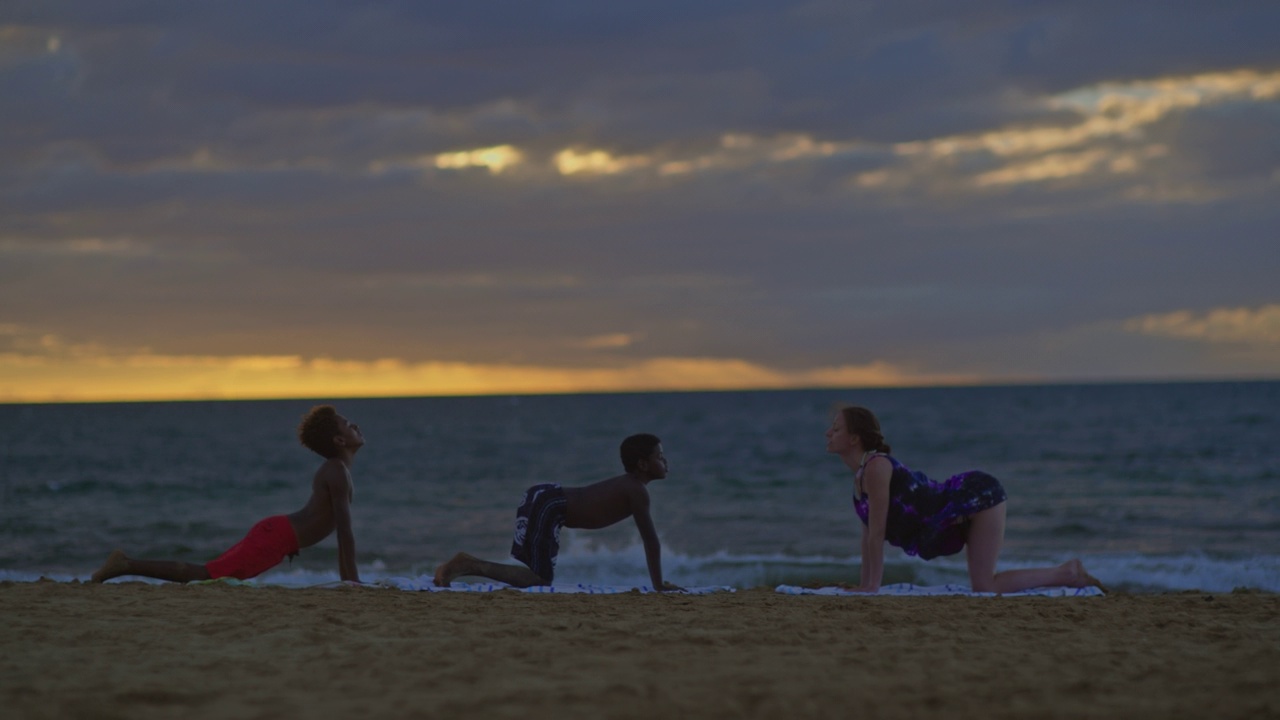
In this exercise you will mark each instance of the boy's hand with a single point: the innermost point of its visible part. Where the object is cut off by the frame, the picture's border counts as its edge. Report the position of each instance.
(668, 587)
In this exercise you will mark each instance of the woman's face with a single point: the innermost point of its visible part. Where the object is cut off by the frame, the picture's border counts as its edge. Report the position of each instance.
(838, 438)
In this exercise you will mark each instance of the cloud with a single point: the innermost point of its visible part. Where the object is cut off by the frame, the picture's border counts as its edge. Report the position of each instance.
(1110, 110)
(84, 247)
(1241, 325)
(494, 159)
(1108, 129)
(609, 341)
(595, 187)
(1097, 130)
(572, 161)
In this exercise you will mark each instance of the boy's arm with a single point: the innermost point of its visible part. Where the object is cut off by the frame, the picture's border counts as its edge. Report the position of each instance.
(339, 485)
(649, 536)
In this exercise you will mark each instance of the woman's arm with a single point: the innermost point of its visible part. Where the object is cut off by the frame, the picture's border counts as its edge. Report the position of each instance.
(875, 482)
(866, 569)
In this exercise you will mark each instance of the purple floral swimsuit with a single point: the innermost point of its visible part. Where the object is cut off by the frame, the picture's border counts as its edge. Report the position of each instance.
(928, 518)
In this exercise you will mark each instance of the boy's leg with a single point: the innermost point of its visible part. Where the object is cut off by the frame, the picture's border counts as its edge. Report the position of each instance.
(266, 545)
(464, 564)
(536, 541)
(118, 564)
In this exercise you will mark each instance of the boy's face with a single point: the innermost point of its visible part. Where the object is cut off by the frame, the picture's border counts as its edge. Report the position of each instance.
(655, 466)
(349, 435)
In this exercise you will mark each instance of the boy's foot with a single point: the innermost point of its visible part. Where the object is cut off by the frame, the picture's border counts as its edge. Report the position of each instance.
(461, 564)
(117, 564)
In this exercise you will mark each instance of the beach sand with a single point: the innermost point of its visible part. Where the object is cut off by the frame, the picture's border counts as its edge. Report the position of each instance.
(135, 650)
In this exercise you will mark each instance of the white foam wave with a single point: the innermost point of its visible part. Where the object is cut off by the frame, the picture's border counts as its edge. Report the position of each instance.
(580, 563)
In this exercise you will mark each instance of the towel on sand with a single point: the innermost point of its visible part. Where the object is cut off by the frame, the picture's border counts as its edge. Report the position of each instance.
(427, 583)
(909, 589)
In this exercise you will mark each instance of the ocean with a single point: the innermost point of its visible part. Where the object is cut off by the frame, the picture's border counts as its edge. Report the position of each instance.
(1157, 487)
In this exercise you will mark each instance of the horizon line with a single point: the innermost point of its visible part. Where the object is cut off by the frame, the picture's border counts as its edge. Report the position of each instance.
(977, 384)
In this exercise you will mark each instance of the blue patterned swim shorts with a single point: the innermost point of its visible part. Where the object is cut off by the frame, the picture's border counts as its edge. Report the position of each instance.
(538, 521)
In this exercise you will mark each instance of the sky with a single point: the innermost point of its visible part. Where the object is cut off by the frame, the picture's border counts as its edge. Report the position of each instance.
(334, 199)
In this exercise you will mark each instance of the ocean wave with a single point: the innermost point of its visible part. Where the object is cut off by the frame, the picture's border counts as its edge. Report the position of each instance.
(623, 566)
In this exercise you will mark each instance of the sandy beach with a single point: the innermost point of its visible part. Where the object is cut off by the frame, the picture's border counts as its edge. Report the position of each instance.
(211, 651)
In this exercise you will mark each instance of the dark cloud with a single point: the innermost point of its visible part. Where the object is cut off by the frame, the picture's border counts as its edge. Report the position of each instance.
(1227, 143)
(242, 160)
(847, 69)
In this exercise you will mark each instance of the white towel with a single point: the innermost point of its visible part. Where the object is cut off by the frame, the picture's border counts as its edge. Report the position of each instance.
(909, 589)
(427, 583)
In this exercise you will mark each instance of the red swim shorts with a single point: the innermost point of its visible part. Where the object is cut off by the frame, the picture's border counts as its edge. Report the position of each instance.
(266, 546)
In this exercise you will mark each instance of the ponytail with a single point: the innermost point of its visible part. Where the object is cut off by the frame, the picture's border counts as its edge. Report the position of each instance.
(863, 424)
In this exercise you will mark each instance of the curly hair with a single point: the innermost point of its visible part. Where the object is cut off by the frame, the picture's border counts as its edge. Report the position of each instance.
(317, 430)
(863, 424)
(636, 448)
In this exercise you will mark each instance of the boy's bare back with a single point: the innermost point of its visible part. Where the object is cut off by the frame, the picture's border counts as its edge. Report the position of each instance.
(602, 504)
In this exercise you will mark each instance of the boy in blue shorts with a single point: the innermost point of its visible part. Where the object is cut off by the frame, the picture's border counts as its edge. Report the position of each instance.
(548, 507)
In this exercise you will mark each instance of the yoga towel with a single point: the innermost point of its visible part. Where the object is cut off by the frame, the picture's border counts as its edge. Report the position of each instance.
(426, 583)
(909, 589)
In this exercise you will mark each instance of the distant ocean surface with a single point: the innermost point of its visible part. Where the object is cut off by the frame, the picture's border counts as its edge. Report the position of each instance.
(1157, 487)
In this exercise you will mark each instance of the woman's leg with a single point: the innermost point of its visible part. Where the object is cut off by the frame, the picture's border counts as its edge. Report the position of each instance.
(986, 535)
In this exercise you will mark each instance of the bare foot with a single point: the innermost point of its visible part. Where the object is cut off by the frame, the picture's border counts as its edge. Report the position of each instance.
(1090, 580)
(1081, 578)
(460, 564)
(117, 564)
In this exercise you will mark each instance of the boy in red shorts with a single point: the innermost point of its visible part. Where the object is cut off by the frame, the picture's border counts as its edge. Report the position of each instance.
(270, 541)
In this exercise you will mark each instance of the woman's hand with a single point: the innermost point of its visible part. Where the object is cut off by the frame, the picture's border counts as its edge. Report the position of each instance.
(858, 588)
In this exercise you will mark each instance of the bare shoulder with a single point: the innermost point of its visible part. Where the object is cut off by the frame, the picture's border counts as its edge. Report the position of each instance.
(627, 483)
(877, 474)
(333, 474)
(879, 464)
(636, 491)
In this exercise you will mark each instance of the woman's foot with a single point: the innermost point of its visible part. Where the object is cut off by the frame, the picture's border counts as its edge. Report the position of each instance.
(1079, 577)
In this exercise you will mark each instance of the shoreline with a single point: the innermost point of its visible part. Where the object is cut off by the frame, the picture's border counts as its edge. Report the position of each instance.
(218, 651)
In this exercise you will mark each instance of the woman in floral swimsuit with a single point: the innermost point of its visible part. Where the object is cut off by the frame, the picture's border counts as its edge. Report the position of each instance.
(927, 518)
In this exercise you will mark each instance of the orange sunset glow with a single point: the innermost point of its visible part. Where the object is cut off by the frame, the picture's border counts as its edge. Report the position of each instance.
(151, 377)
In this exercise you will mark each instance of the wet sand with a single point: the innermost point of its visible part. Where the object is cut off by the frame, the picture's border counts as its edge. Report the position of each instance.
(134, 650)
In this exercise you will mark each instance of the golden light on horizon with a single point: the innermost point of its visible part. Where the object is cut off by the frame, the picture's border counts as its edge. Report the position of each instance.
(88, 378)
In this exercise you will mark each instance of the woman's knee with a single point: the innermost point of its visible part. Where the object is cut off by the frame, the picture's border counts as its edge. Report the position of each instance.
(983, 584)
